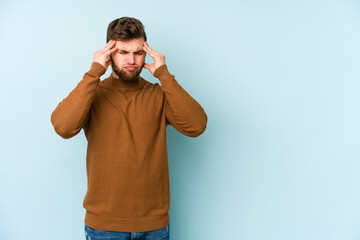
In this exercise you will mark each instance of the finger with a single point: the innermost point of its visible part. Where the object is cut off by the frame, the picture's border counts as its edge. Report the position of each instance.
(108, 63)
(152, 50)
(109, 45)
(149, 52)
(111, 51)
(149, 48)
(147, 66)
(111, 41)
(154, 53)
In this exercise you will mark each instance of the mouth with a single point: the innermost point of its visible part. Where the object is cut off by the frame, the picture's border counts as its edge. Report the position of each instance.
(131, 68)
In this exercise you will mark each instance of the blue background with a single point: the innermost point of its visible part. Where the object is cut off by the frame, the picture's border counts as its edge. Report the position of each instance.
(279, 81)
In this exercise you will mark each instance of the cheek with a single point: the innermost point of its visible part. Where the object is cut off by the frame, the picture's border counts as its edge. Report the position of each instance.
(141, 58)
(117, 57)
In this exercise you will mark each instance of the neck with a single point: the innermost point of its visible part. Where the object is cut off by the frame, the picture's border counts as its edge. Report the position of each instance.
(114, 75)
(116, 82)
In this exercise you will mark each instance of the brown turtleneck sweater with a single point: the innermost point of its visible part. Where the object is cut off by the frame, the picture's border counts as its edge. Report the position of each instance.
(125, 123)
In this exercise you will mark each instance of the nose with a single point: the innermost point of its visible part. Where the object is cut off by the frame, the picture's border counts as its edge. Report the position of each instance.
(131, 58)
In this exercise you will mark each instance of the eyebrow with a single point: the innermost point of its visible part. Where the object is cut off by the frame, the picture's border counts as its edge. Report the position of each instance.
(123, 50)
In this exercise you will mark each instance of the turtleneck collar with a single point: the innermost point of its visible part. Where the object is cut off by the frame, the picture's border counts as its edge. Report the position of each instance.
(114, 82)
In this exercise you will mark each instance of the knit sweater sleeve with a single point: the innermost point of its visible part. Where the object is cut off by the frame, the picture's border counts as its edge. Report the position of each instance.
(72, 112)
(182, 111)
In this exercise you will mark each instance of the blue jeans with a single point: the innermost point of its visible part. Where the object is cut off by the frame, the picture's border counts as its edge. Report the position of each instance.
(159, 234)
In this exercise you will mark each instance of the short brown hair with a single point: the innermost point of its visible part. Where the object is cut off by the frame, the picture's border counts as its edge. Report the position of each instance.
(125, 29)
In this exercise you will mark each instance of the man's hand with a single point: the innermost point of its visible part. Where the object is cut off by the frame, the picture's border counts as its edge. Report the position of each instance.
(159, 59)
(103, 55)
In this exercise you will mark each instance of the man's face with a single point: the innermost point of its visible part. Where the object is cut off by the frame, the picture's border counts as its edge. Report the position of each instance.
(129, 59)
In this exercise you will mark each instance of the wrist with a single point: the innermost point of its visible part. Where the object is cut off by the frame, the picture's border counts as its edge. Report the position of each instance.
(96, 69)
(161, 71)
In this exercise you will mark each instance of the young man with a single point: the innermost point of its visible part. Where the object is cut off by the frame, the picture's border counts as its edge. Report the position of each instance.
(124, 118)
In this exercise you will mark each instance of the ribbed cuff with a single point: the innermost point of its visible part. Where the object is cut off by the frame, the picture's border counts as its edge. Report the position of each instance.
(96, 69)
(162, 72)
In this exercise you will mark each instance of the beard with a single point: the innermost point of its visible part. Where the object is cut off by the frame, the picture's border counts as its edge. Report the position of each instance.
(126, 75)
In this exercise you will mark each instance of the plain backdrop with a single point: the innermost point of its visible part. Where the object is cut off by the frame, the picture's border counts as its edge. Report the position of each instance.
(279, 81)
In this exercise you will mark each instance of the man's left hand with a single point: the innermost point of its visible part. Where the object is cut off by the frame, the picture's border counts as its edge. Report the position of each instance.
(159, 59)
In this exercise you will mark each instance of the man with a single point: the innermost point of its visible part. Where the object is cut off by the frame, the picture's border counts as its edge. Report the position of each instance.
(124, 118)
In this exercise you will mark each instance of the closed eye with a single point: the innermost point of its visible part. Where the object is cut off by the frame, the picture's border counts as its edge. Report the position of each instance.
(138, 53)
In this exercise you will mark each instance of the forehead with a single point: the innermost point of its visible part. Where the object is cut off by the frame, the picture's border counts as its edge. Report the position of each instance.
(132, 45)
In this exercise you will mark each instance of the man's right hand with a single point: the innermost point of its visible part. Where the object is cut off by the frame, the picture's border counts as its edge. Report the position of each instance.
(103, 55)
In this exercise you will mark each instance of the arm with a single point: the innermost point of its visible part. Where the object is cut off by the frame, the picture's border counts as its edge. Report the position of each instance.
(181, 110)
(74, 111)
